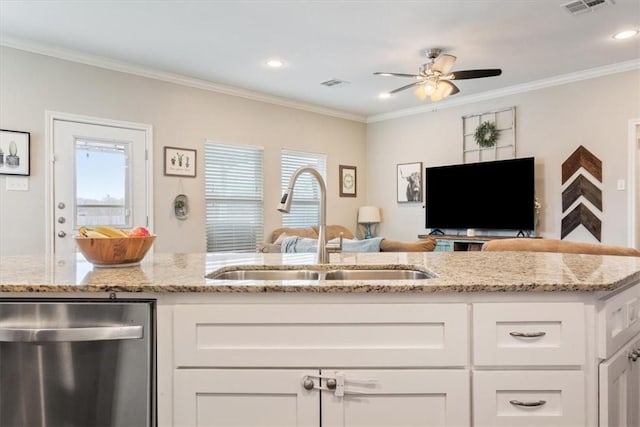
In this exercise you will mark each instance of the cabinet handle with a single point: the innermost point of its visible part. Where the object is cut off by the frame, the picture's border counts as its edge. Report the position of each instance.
(528, 404)
(332, 383)
(308, 384)
(527, 334)
(634, 355)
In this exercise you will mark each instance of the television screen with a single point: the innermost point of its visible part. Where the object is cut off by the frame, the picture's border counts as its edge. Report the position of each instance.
(497, 195)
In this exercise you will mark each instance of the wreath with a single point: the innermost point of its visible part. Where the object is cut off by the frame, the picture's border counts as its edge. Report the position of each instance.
(486, 134)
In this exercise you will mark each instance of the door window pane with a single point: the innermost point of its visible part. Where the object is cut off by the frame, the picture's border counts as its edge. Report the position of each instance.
(102, 183)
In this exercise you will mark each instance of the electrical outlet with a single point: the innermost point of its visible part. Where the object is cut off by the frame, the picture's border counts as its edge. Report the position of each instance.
(17, 183)
(621, 184)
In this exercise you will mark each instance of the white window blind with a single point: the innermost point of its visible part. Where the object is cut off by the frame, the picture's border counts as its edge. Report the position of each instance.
(305, 205)
(234, 197)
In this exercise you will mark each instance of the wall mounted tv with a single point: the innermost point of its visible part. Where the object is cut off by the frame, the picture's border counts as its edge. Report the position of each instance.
(496, 195)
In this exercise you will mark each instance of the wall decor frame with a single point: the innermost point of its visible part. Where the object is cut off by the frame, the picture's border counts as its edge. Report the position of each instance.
(348, 181)
(180, 162)
(409, 182)
(15, 152)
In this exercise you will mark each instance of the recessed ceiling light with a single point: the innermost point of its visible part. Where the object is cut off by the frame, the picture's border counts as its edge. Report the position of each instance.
(384, 95)
(625, 34)
(275, 63)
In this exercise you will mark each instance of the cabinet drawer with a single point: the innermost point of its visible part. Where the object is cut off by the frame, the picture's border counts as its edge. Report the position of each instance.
(312, 335)
(557, 398)
(535, 334)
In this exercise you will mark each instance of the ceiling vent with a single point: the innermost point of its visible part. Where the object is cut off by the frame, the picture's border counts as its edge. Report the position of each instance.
(334, 82)
(577, 7)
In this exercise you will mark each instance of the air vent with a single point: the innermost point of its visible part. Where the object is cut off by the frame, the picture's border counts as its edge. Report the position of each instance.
(334, 82)
(577, 7)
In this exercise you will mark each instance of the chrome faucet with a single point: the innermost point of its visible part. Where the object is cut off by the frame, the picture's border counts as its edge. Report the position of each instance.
(285, 207)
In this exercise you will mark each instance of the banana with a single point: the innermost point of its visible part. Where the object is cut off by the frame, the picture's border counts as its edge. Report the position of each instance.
(89, 232)
(110, 231)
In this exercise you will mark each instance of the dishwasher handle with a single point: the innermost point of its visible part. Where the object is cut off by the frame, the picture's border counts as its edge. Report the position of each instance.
(94, 333)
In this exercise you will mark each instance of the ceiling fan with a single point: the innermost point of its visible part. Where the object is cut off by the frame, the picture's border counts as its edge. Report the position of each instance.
(434, 78)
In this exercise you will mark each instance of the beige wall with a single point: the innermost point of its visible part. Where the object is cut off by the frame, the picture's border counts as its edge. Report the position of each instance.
(181, 116)
(551, 124)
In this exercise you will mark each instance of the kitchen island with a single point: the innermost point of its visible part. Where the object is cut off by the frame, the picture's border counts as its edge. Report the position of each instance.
(495, 338)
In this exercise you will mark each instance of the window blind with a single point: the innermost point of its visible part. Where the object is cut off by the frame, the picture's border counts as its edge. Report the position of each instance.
(305, 205)
(234, 197)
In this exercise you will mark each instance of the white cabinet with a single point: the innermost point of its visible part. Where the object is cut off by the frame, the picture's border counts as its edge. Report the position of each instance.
(237, 397)
(548, 339)
(405, 397)
(529, 334)
(528, 398)
(270, 365)
(620, 387)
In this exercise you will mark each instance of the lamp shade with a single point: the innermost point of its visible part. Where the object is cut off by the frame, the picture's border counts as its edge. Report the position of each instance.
(368, 215)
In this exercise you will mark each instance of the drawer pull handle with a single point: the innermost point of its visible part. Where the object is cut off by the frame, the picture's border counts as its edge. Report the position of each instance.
(528, 404)
(528, 334)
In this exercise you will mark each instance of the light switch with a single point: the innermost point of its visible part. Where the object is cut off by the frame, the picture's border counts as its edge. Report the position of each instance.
(17, 183)
(621, 184)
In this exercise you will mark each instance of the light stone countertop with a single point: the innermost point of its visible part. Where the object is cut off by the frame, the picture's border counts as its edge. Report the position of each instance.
(454, 272)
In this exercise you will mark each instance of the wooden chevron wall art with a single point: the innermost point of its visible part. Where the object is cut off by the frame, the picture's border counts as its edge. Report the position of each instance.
(581, 159)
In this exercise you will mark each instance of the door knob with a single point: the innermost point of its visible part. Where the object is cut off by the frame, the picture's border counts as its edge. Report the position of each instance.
(308, 384)
(61, 234)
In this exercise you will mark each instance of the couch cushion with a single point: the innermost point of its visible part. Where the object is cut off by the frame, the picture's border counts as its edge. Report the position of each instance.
(560, 246)
(300, 232)
(422, 245)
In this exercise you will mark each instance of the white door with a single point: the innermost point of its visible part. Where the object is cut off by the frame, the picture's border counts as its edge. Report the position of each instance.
(620, 388)
(244, 398)
(637, 196)
(400, 397)
(100, 176)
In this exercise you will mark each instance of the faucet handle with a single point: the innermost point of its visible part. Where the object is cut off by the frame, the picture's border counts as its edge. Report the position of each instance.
(335, 247)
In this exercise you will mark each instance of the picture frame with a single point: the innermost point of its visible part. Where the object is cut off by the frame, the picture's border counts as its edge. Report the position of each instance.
(180, 162)
(409, 182)
(15, 152)
(348, 181)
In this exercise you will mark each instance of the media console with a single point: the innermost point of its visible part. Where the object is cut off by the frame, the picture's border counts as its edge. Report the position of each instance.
(450, 243)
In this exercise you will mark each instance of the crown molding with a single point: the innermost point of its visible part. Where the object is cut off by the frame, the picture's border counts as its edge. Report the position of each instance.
(114, 65)
(511, 90)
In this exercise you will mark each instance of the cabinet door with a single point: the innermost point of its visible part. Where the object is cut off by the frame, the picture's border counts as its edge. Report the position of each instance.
(244, 397)
(620, 388)
(392, 398)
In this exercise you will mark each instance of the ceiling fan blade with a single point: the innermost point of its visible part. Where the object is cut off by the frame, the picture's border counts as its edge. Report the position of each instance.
(475, 74)
(382, 73)
(405, 87)
(443, 63)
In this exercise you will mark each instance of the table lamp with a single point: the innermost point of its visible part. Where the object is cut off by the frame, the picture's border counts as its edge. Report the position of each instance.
(368, 215)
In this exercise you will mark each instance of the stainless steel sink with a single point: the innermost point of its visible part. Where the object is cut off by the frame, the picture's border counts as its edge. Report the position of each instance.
(309, 274)
(376, 275)
(266, 275)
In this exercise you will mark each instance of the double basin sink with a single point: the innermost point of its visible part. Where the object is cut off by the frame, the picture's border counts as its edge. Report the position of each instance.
(276, 273)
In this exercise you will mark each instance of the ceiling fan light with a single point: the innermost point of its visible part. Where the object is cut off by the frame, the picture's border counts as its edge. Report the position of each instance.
(430, 87)
(441, 92)
(420, 92)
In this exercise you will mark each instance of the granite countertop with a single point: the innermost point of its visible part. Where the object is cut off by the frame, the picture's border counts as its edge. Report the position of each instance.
(453, 271)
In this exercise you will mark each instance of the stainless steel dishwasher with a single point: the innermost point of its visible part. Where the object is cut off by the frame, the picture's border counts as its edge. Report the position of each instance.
(77, 363)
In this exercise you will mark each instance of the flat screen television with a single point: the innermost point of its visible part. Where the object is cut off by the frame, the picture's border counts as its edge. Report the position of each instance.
(497, 195)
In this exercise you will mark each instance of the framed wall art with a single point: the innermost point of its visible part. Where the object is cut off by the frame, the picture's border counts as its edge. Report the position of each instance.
(409, 182)
(179, 162)
(15, 152)
(348, 181)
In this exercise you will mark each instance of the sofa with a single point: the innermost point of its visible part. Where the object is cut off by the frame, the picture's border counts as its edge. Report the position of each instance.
(558, 246)
(274, 240)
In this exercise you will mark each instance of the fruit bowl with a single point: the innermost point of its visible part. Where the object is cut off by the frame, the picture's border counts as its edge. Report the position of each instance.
(114, 251)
